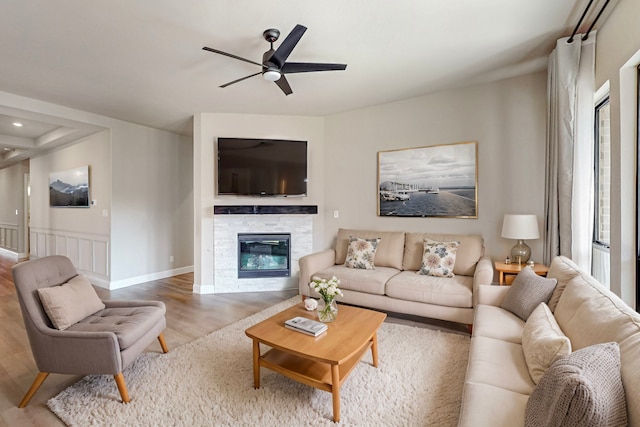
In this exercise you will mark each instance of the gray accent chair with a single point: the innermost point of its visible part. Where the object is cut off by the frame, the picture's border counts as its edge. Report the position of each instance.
(104, 343)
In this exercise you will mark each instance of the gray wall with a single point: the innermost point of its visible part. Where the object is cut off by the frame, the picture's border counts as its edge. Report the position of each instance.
(508, 120)
(12, 197)
(142, 180)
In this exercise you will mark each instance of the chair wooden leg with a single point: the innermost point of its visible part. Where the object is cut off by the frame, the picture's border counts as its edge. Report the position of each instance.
(122, 387)
(34, 387)
(163, 343)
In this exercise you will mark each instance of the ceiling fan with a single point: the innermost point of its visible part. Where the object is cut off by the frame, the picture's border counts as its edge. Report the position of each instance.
(274, 65)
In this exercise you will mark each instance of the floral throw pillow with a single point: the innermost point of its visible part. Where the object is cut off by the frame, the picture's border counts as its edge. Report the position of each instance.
(438, 258)
(361, 252)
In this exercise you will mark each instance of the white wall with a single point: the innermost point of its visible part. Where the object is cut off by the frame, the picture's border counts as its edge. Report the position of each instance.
(508, 120)
(617, 55)
(207, 128)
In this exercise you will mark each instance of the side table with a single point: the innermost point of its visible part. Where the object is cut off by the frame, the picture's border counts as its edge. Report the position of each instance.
(508, 272)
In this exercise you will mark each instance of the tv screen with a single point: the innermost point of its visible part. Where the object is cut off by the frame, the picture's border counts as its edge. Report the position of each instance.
(262, 167)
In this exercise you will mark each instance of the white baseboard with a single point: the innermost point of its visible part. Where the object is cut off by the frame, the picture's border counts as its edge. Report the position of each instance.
(8, 252)
(200, 289)
(118, 284)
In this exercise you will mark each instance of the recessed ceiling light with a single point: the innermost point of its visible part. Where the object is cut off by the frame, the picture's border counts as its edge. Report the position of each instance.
(17, 124)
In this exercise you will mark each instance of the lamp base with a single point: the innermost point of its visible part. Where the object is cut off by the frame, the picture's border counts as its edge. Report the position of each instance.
(520, 253)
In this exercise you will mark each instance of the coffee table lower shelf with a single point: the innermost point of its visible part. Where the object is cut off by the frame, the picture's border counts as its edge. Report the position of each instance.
(310, 372)
(320, 375)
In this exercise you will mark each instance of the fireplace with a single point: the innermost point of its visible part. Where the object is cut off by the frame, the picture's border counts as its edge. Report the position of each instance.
(264, 255)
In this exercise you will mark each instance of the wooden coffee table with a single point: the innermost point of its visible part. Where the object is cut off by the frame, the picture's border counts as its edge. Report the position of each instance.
(323, 362)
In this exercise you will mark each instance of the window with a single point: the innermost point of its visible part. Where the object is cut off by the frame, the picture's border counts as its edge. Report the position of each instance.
(602, 223)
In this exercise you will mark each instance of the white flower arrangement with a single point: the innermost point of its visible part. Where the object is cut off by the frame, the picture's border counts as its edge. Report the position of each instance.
(328, 289)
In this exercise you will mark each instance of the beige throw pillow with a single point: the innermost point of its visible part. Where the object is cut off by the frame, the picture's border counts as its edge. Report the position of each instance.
(583, 389)
(361, 253)
(543, 341)
(438, 258)
(70, 302)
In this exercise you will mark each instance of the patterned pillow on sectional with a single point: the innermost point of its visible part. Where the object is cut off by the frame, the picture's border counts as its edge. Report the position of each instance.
(361, 253)
(438, 258)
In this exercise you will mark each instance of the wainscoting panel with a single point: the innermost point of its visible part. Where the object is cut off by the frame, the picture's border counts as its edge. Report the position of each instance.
(88, 253)
(9, 236)
(85, 260)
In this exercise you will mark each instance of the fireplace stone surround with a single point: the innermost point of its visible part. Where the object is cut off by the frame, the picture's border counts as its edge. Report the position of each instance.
(229, 221)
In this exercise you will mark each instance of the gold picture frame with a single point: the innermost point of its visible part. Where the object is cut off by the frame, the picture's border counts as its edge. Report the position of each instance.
(439, 181)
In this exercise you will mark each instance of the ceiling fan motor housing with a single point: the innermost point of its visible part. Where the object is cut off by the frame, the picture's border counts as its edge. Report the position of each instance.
(271, 35)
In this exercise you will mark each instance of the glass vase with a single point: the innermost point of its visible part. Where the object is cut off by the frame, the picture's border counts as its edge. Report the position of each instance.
(327, 310)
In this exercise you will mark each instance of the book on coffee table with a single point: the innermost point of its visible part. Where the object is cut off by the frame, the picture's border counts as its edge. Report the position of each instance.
(306, 326)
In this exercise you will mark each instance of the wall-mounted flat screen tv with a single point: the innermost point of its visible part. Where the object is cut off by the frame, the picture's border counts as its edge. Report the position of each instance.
(262, 167)
(69, 188)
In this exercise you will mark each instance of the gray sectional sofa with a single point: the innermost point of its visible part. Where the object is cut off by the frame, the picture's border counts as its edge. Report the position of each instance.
(394, 284)
(498, 383)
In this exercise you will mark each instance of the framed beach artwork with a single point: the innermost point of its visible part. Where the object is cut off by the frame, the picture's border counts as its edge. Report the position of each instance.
(69, 188)
(436, 181)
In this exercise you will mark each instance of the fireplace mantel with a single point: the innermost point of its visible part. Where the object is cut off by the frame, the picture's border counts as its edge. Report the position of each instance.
(265, 210)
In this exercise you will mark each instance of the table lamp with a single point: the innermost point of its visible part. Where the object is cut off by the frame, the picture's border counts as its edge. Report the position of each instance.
(520, 227)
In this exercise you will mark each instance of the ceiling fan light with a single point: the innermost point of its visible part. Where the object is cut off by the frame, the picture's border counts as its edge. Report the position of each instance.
(271, 75)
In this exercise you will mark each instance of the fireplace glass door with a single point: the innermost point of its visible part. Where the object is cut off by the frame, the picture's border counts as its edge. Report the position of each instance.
(264, 255)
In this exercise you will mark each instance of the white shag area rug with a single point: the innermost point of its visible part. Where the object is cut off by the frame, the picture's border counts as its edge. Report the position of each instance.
(209, 382)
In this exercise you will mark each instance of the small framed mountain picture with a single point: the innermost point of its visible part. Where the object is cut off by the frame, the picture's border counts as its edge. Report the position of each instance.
(70, 188)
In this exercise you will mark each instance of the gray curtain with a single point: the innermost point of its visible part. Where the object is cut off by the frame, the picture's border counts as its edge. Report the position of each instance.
(569, 152)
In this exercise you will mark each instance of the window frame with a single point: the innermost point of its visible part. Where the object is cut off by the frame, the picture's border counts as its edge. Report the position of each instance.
(604, 101)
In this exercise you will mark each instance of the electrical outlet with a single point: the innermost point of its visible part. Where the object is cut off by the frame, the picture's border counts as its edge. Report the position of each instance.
(336, 214)
(105, 212)
(171, 258)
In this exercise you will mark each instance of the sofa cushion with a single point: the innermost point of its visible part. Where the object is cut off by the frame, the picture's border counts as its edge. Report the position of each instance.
(388, 253)
(527, 291)
(495, 322)
(438, 258)
(590, 314)
(583, 389)
(450, 291)
(488, 405)
(369, 281)
(563, 270)
(498, 363)
(469, 251)
(129, 324)
(543, 341)
(361, 253)
(70, 302)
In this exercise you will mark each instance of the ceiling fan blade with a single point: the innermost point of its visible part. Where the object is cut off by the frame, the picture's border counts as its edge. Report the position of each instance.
(287, 45)
(230, 55)
(284, 85)
(241, 79)
(306, 67)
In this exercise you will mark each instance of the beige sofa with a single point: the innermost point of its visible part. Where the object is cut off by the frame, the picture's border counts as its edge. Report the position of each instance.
(498, 384)
(394, 285)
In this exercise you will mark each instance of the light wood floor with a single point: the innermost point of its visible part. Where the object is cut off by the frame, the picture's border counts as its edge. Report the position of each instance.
(189, 316)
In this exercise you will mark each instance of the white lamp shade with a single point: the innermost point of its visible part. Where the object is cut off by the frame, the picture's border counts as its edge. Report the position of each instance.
(519, 227)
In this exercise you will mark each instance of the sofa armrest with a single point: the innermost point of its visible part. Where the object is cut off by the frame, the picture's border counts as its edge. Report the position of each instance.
(491, 295)
(311, 264)
(482, 276)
